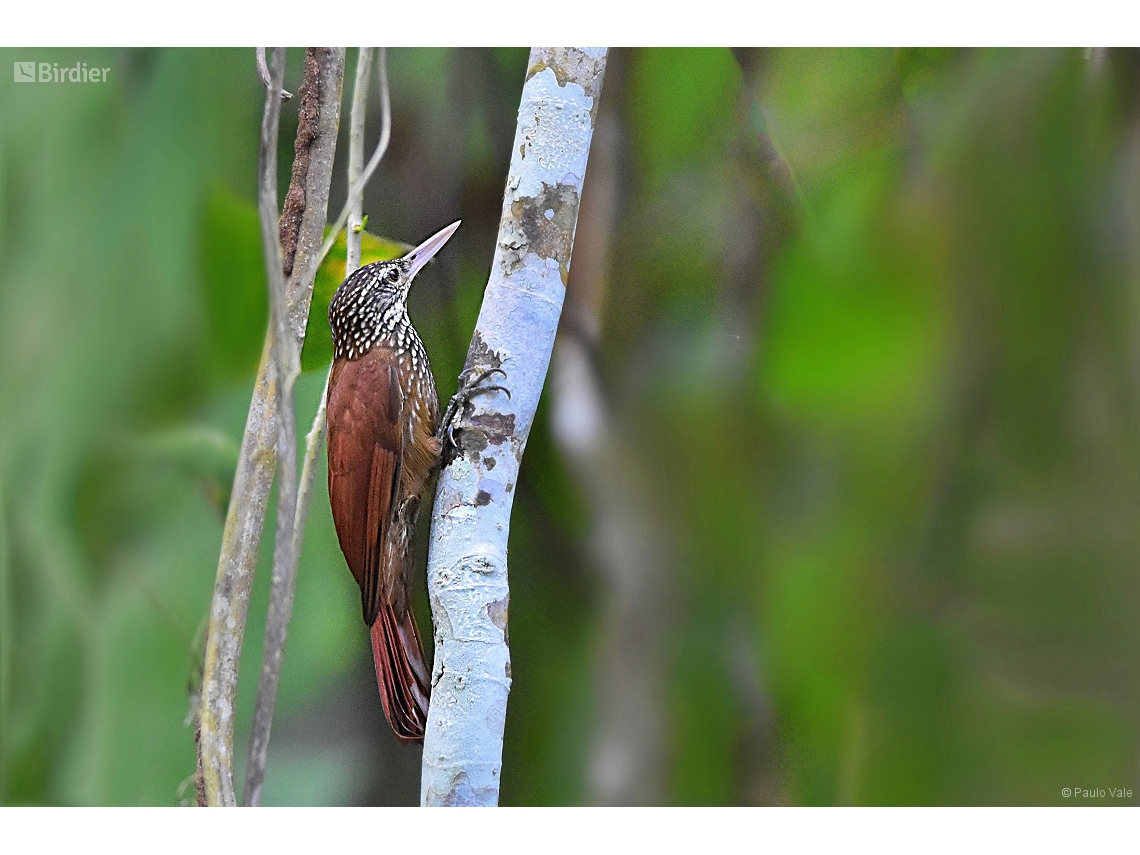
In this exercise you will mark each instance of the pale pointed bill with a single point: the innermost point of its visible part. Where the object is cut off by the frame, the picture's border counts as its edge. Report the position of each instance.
(423, 253)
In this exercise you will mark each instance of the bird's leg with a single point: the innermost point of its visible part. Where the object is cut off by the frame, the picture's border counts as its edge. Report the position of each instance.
(470, 384)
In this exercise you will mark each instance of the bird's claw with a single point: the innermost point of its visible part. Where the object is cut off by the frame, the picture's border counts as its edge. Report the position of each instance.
(502, 389)
(483, 374)
(469, 386)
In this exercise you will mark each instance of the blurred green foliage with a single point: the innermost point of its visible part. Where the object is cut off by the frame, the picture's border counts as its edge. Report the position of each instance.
(233, 276)
(873, 319)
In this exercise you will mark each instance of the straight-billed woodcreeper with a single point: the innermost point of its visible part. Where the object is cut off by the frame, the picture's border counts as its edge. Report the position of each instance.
(384, 444)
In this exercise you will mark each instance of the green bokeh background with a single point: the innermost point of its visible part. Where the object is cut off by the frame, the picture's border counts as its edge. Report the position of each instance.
(872, 321)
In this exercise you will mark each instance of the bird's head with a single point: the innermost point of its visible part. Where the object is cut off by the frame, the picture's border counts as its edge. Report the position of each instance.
(373, 301)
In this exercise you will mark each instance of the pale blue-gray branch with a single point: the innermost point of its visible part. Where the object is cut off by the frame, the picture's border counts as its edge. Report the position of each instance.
(467, 558)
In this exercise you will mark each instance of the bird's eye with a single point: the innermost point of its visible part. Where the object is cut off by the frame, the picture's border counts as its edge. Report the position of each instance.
(393, 274)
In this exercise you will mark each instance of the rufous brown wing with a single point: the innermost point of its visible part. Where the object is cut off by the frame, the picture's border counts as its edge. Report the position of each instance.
(375, 499)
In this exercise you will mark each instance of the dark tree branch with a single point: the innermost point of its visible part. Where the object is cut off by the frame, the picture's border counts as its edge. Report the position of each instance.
(294, 209)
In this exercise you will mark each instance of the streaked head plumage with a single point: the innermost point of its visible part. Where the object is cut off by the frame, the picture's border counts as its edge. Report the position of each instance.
(371, 305)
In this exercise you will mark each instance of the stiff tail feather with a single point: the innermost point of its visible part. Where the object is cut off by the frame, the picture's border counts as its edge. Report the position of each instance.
(401, 673)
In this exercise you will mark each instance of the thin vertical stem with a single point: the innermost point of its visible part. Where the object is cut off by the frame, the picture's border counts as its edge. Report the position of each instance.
(356, 191)
(295, 495)
(356, 160)
(312, 176)
(244, 520)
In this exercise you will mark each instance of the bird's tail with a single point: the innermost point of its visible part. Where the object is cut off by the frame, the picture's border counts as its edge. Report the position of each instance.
(401, 673)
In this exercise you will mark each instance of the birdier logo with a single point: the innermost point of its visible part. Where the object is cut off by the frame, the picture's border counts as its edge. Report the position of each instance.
(50, 72)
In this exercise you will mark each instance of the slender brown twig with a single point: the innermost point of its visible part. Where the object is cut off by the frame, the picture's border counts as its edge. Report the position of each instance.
(309, 188)
(244, 521)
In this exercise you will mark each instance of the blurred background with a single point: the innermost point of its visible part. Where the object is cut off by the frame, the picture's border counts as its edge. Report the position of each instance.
(834, 493)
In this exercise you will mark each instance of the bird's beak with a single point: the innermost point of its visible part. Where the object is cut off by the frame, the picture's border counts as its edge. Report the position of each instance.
(423, 253)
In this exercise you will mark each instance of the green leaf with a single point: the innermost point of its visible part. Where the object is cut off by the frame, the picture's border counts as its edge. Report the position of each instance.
(318, 339)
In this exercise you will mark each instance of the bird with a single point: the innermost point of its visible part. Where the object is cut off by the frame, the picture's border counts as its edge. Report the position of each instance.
(385, 439)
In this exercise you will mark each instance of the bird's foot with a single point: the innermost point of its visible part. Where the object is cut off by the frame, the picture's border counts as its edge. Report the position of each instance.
(470, 385)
